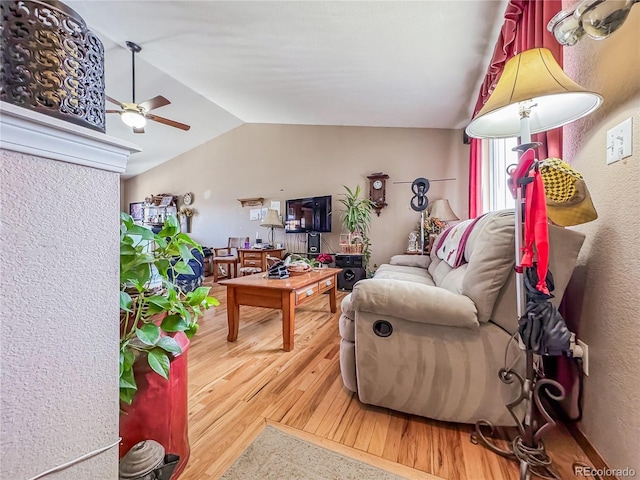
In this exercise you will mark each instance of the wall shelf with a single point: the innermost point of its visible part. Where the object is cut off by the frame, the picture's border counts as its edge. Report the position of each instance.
(251, 202)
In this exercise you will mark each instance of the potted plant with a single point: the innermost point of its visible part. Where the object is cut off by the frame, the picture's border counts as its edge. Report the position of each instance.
(356, 219)
(186, 214)
(432, 228)
(325, 259)
(156, 321)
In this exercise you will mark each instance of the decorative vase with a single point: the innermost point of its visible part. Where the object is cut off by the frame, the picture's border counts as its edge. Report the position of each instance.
(51, 62)
(159, 410)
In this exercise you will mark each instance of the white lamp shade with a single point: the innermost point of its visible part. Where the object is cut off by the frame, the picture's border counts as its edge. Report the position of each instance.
(272, 219)
(533, 77)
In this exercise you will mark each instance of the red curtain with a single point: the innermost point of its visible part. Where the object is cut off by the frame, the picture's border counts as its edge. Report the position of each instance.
(525, 27)
(475, 179)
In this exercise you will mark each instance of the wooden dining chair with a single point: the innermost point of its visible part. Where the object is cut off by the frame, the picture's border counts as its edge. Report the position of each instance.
(225, 259)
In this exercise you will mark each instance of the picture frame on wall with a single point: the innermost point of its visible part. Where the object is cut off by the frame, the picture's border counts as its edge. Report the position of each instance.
(166, 201)
(136, 211)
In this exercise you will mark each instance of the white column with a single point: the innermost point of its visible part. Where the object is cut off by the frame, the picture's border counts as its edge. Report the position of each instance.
(59, 245)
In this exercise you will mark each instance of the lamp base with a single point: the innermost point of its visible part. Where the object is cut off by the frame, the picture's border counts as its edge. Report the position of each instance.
(527, 448)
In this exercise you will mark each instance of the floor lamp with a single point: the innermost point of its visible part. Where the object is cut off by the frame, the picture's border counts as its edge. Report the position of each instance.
(533, 95)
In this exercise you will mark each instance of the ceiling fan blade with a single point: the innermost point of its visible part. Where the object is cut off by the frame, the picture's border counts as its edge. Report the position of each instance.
(166, 121)
(113, 100)
(138, 130)
(155, 102)
(112, 111)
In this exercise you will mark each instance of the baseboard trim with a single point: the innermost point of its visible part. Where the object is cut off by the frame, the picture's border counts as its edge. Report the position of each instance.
(594, 457)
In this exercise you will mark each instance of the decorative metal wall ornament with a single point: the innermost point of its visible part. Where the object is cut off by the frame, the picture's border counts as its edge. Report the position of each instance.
(51, 62)
(419, 201)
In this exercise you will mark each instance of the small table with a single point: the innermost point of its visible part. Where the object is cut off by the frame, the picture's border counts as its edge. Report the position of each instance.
(285, 295)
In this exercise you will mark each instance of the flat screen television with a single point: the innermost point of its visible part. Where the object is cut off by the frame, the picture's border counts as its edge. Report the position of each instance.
(311, 214)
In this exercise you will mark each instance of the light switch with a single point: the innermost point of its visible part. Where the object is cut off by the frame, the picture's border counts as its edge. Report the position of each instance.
(619, 141)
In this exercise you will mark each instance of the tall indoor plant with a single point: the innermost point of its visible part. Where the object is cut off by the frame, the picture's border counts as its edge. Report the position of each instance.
(156, 321)
(356, 219)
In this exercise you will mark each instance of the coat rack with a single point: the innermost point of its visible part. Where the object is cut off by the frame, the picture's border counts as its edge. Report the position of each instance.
(533, 95)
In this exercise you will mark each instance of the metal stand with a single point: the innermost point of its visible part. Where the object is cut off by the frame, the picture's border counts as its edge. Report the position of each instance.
(422, 232)
(527, 448)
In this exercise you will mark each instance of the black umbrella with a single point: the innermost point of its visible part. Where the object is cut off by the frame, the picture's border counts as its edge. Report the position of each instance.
(542, 328)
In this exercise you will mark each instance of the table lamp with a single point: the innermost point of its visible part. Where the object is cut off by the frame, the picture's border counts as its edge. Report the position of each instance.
(441, 210)
(272, 220)
(532, 95)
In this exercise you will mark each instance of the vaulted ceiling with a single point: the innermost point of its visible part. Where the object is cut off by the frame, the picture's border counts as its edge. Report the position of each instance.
(225, 63)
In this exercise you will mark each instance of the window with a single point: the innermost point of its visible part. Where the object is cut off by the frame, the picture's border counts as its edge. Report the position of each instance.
(497, 155)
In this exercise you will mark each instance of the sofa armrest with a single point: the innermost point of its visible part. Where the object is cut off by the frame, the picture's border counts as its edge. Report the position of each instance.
(422, 261)
(415, 302)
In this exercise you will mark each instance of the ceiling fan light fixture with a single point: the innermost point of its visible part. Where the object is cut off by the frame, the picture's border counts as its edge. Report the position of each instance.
(133, 119)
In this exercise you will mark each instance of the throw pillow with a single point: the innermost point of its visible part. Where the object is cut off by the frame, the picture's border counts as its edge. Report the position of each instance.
(453, 241)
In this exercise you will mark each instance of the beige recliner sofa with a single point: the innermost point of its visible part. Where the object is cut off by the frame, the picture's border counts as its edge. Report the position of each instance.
(449, 328)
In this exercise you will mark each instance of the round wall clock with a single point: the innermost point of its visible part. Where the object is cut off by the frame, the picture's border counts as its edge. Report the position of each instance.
(188, 198)
(377, 184)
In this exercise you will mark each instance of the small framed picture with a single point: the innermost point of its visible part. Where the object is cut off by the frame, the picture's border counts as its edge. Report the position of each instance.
(135, 210)
(166, 201)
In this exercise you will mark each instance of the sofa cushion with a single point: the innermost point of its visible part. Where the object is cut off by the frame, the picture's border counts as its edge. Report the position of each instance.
(438, 270)
(414, 302)
(409, 274)
(490, 253)
(453, 280)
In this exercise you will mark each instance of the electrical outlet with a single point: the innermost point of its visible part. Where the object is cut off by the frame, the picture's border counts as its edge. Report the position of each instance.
(585, 356)
(619, 144)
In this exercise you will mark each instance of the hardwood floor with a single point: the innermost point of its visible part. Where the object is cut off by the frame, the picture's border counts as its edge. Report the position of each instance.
(235, 389)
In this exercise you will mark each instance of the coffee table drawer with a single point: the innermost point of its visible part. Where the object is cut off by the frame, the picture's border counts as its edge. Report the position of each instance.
(326, 284)
(307, 292)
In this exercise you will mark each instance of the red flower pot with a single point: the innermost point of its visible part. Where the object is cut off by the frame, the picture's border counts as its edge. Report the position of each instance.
(159, 408)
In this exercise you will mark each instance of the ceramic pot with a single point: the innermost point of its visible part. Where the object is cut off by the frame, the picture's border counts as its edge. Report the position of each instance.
(159, 410)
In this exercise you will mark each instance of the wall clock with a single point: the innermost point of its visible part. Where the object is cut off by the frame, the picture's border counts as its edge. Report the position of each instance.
(378, 190)
(187, 198)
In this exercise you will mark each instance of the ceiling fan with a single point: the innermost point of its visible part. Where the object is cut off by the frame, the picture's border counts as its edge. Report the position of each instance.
(134, 114)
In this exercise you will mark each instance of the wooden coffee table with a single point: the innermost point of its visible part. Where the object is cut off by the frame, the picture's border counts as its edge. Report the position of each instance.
(285, 295)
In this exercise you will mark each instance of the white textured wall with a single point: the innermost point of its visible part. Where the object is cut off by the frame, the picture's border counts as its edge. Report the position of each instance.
(604, 293)
(280, 162)
(59, 282)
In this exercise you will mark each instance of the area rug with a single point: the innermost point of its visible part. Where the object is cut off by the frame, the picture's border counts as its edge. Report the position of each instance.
(276, 455)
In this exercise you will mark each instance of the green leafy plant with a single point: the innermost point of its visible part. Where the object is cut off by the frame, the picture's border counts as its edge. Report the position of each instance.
(152, 307)
(296, 258)
(356, 218)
